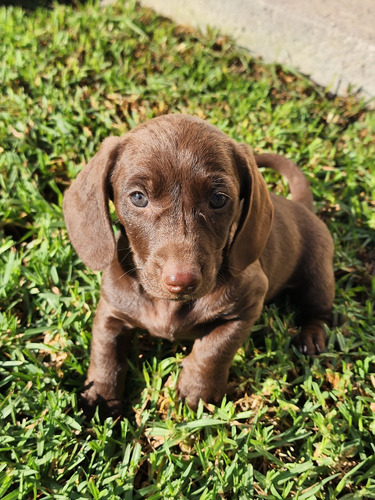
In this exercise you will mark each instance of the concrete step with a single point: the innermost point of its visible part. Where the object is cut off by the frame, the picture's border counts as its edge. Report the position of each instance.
(331, 41)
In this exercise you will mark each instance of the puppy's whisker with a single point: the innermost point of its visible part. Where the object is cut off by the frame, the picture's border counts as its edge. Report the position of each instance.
(241, 271)
(129, 272)
(220, 279)
(125, 256)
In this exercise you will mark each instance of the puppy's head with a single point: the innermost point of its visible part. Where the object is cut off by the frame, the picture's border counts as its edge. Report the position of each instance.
(190, 201)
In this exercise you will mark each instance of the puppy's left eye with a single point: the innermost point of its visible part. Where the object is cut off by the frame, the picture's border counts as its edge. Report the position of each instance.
(218, 200)
(139, 199)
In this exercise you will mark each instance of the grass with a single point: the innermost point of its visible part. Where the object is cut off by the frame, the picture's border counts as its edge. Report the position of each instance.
(291, 427)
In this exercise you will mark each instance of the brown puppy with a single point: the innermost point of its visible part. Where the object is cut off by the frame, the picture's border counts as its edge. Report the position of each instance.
(202, 246)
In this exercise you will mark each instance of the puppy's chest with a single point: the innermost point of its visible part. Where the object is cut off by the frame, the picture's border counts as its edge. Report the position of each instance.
(168, 319)
(174, 321)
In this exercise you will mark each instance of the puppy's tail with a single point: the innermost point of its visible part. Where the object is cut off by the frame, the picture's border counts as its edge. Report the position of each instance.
(299, 186)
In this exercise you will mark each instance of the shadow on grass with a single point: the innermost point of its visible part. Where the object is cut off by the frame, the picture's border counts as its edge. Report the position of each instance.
(35, 4)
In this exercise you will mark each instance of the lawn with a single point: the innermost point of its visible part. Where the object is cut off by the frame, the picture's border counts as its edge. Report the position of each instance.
(291, 427)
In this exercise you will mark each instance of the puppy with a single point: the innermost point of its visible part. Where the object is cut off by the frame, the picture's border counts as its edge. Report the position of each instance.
(202, 246)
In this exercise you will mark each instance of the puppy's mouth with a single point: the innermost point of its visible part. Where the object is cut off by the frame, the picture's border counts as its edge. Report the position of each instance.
(157, 289)
(186, 297)
(175, 297)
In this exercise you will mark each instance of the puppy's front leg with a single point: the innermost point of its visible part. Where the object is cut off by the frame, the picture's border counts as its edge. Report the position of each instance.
(110, 345)
(205, 371)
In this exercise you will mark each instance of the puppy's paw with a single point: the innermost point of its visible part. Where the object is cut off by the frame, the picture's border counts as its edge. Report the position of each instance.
(192, 387)
(94, 395)
(311, 339)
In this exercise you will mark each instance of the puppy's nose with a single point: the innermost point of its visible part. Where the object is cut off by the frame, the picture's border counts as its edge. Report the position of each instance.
(180, 281)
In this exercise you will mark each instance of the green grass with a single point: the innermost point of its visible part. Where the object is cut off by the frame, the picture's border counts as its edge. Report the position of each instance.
(291, 427)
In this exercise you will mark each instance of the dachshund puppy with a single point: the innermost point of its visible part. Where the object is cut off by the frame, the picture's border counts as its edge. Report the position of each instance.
(202, 246)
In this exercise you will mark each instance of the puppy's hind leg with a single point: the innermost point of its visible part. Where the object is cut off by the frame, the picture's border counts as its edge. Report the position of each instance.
(315, 297)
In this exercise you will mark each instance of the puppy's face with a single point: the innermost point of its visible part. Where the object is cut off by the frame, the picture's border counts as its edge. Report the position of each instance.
(177, 194)
(189, 198)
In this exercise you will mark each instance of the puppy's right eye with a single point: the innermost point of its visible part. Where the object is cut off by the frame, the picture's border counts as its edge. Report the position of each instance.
(139, 199)
(218, 200)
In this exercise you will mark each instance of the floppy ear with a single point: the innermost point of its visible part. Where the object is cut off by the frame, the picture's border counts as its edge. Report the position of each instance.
(86, 210)
(257, 213)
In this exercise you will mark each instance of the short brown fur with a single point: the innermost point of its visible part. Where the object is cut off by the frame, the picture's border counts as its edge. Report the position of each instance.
(200, 258)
